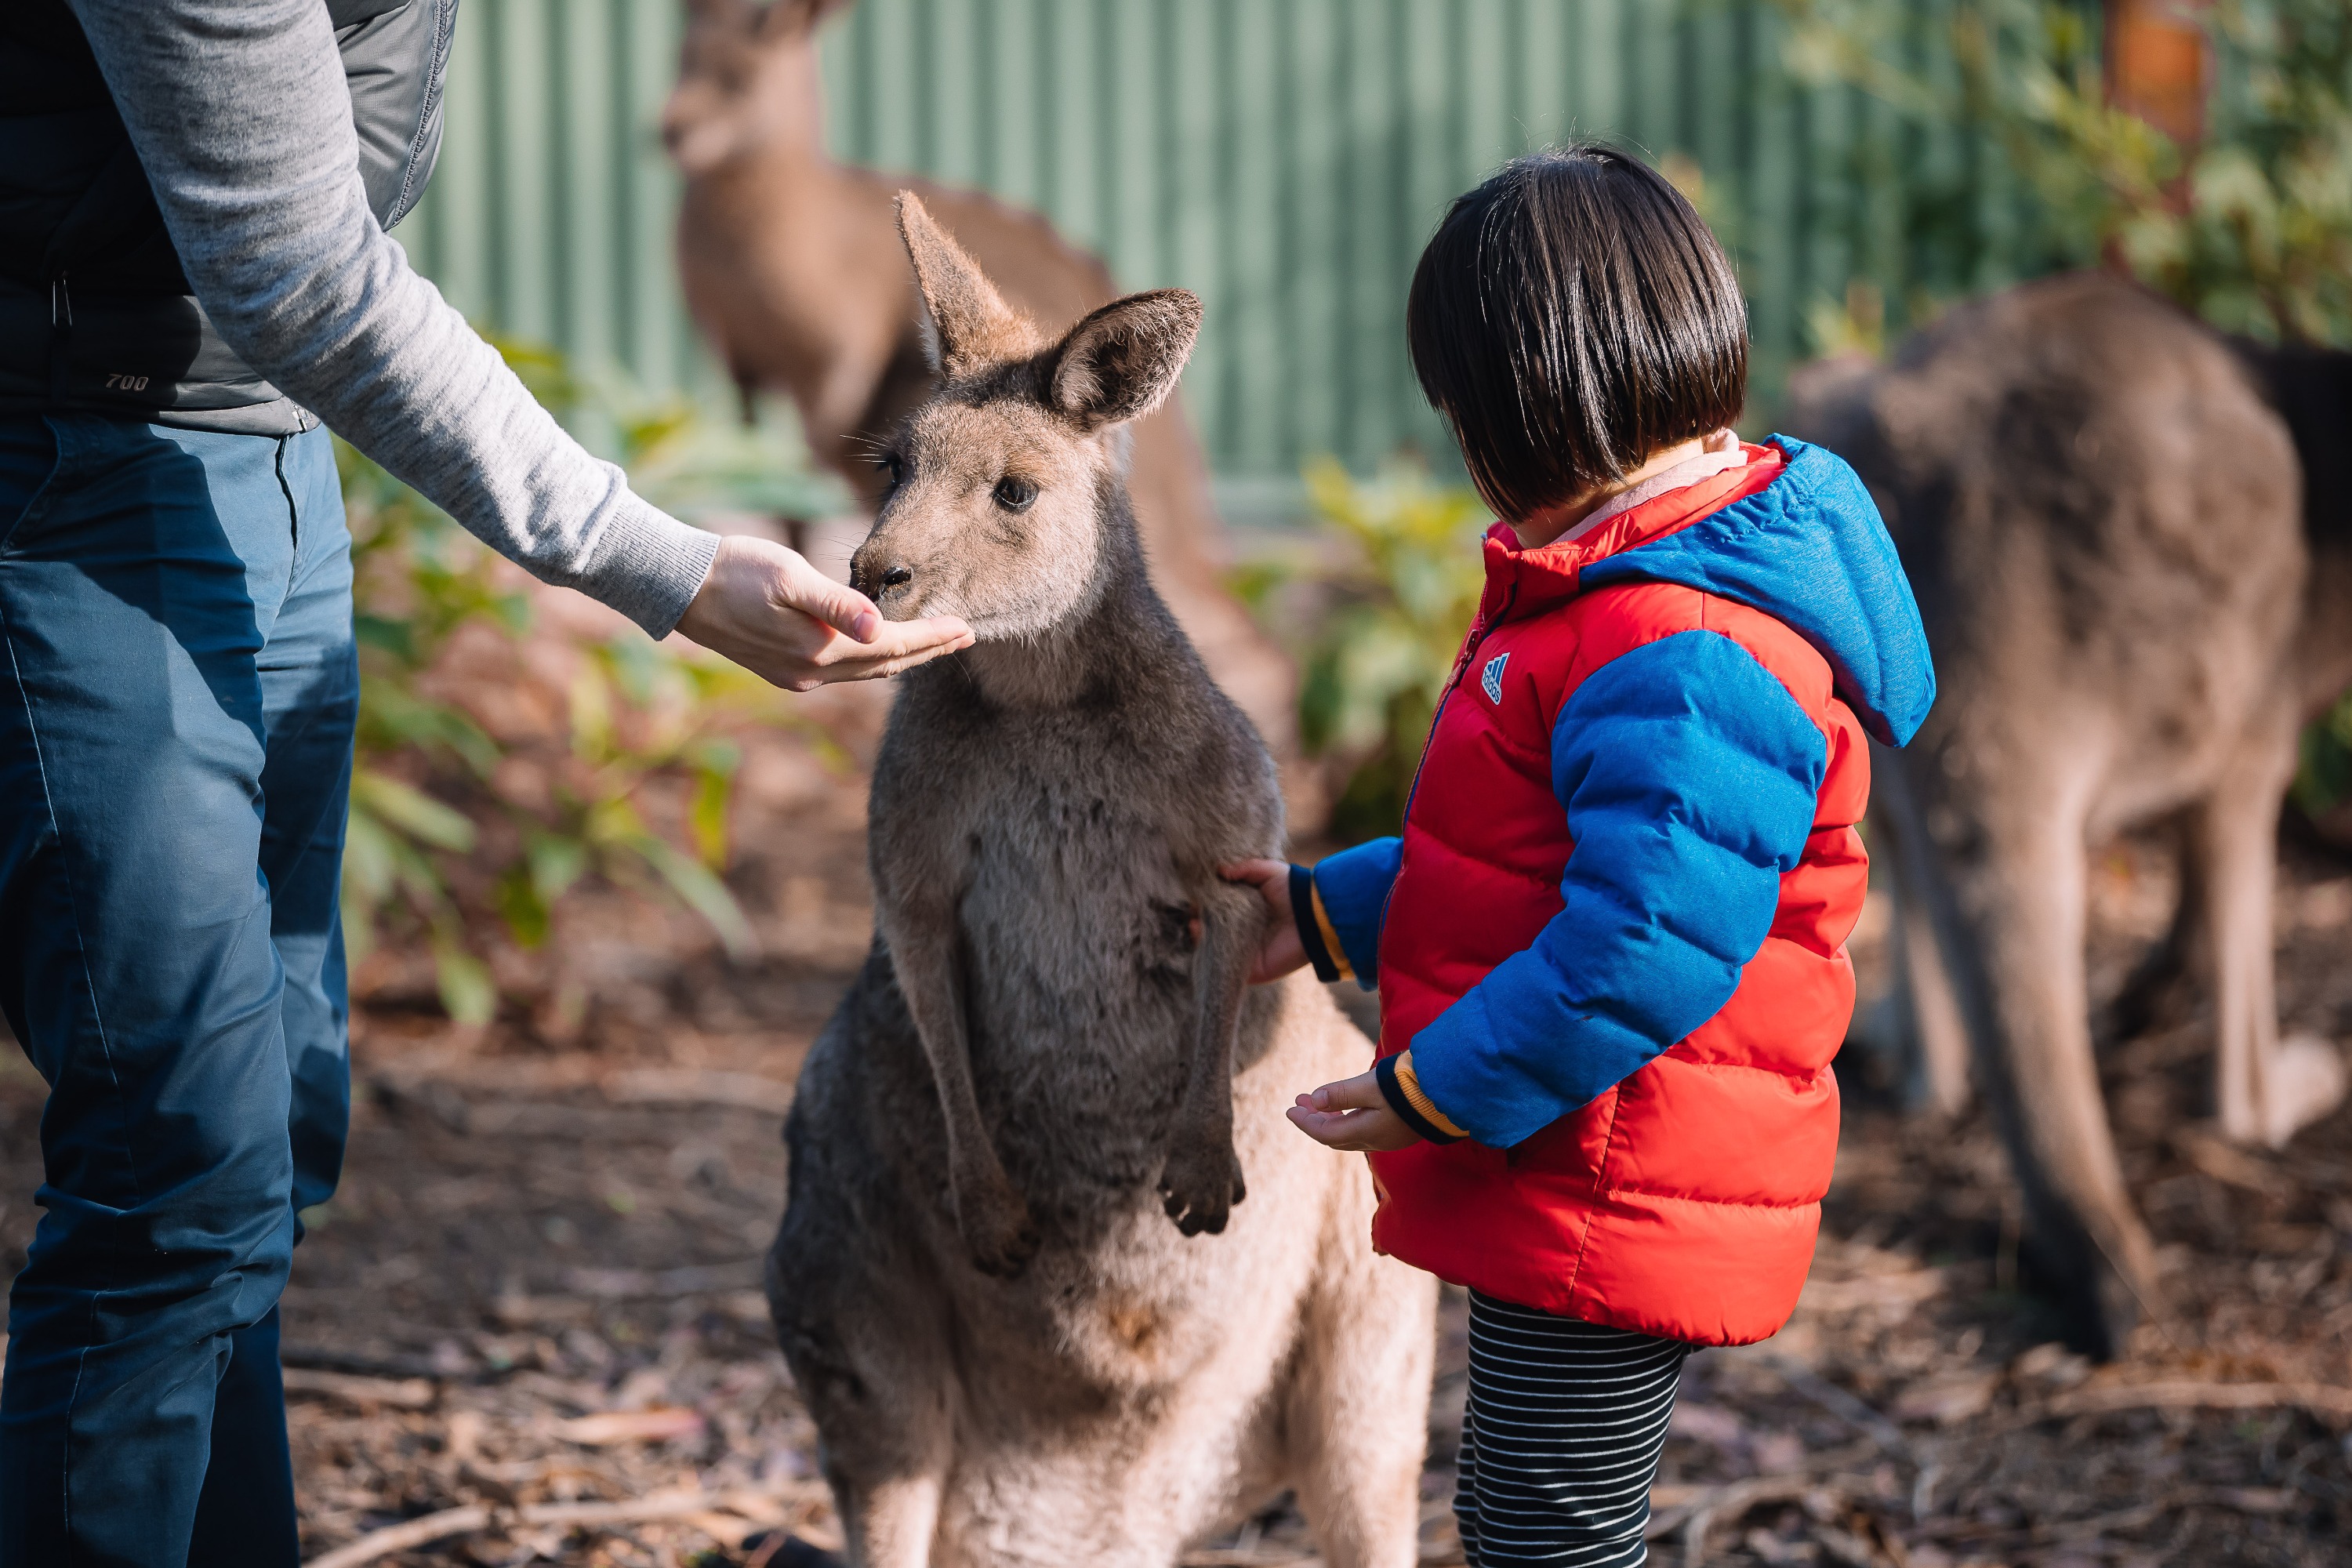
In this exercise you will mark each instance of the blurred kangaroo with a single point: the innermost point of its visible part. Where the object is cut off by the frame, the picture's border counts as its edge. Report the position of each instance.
(1017, 1280)
(2137, 592)
(792, 269)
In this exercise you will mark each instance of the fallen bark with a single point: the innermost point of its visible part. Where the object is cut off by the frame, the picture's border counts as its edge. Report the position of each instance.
(400, 1537)
(753, 1507)
(2331, 1404)
(1700, 1511)
(1695, 1513)
(322, 1358)
(400, 1394)
(665, 1284)
(2259, 1502)
(700, 1086)
(607, 1426)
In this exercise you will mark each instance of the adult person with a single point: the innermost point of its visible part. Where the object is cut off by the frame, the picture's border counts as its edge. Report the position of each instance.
(193, 277)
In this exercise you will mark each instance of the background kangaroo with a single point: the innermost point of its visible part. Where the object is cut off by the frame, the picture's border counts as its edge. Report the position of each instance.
(1012, 1353)
(792, 267)
(2134, 605)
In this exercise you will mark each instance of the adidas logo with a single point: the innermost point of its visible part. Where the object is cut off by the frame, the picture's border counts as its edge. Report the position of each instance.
(1492, 679)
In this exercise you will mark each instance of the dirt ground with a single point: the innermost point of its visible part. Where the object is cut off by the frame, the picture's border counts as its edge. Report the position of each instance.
(528, 1329)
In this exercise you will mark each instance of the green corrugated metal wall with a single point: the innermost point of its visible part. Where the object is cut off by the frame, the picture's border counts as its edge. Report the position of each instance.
(1285, 158)
(549, 214)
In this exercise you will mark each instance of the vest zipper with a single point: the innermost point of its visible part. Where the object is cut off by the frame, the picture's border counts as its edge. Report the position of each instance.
(1479, 631)
(61, 336)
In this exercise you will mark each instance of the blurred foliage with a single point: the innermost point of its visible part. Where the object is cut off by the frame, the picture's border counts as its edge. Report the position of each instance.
(430, 776)
(2250, 227)
(2325, 779)
(1855, 325)
(1379, 660)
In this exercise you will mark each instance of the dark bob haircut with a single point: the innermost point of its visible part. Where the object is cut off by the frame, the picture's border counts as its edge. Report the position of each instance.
(1571, 317)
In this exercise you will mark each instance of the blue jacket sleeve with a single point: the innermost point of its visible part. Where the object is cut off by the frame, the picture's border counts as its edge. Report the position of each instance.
(1354, 885)
(1689, 776)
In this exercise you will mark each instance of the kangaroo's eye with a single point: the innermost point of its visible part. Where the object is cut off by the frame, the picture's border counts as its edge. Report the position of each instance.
(891, 464)
(1015, 494)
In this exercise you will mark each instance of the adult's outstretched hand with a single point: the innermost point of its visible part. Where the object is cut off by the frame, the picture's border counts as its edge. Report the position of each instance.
(769, 610)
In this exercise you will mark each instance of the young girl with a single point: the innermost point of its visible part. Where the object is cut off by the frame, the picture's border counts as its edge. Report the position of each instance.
(1610, 946)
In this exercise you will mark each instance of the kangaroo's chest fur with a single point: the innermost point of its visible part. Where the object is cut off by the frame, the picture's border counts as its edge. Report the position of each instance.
(1077, 840)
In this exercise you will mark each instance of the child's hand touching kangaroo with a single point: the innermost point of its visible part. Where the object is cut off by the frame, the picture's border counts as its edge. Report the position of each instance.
(1351, 1114)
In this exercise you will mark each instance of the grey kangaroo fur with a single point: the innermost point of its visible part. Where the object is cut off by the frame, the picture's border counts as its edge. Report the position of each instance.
(1017, 1281)
(2133, 604)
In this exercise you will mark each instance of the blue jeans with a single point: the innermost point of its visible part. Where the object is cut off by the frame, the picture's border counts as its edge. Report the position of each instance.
(177, 693)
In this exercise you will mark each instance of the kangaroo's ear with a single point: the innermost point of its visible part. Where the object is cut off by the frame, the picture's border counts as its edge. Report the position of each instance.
(1122, 361)
(971, 327)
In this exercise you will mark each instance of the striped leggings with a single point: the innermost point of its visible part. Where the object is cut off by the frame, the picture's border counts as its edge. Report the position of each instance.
(1560, 1440)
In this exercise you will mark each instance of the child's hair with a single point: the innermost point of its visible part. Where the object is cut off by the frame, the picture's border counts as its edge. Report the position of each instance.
(1571, 317)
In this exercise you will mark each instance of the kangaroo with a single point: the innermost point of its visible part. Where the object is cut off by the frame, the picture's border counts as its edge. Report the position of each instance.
(792, 269)
(2134, 606)
(1016, 1280)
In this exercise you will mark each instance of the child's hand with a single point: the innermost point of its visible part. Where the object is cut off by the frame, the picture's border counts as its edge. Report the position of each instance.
(1352, 1114)
(1282, 951)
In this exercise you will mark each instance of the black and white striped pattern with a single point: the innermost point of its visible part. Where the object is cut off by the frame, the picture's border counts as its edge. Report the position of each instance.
(1560, 1440)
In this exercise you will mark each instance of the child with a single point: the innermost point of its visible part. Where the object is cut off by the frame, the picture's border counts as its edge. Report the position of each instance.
(1610, 946)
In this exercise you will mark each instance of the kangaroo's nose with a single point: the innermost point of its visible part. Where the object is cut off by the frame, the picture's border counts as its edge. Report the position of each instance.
(871, 577)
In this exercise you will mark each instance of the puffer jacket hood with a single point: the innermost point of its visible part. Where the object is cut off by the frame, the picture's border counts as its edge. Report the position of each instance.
(1808, 549)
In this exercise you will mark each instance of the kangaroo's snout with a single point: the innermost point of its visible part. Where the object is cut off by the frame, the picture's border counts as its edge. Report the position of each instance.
(699, 126)
(878, 573)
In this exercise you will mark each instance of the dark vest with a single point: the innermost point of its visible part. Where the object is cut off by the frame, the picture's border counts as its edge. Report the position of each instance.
(96, 315)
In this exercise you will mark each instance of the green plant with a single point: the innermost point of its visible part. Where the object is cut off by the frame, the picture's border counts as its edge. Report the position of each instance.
(460, 826)
(1380, 658)
(2324, 778)
(2250, 227)
(414, 585)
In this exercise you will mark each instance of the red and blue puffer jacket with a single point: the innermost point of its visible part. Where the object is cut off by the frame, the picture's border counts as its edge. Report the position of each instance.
(1612, 936)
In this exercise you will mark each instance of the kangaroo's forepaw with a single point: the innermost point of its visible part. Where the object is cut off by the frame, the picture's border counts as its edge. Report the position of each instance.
(2306, 1082)
(1001, 1234)
(1201, 1186)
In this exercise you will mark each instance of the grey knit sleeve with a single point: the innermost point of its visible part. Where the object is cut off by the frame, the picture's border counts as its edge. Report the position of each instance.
(242, 120)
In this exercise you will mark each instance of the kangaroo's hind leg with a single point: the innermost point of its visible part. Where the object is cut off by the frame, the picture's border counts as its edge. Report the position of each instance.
(866, 1347)
(1936, 1033)
(1356, 1416)
(2265, 1087)
(2018, 873)
(859, 1310)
